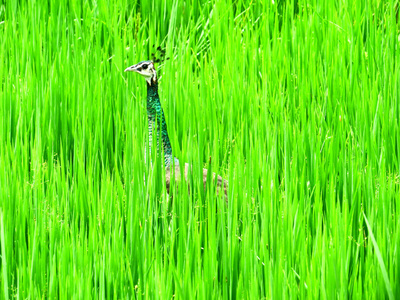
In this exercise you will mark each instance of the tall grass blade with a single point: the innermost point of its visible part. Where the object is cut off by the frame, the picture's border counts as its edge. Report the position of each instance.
(3, 256)
(380, 260)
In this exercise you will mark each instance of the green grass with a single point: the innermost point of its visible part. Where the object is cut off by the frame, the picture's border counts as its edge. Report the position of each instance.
(297, 103)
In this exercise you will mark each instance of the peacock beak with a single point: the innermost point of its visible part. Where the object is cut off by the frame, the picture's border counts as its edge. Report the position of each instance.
(128, 69)
(131, 68)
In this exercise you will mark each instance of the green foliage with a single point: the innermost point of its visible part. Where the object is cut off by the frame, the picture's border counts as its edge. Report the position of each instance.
(296, 102)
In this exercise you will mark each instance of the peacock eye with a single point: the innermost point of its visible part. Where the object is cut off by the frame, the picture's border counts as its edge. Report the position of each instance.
(145, 67)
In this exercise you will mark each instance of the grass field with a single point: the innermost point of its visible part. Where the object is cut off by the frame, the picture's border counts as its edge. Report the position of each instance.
(296, 102)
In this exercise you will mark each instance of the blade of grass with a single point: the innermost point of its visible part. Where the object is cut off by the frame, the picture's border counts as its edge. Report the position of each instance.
(3, 255)
(380, 260)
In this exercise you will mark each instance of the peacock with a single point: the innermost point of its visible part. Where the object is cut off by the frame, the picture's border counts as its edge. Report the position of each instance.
(155, 117)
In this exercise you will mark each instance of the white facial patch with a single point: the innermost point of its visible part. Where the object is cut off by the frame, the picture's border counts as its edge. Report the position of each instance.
(146, 69)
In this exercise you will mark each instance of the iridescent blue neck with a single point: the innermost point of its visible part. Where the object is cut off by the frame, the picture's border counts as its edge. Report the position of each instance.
(155, 115)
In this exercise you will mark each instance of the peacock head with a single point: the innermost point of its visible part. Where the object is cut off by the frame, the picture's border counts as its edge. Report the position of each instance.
(146, 69)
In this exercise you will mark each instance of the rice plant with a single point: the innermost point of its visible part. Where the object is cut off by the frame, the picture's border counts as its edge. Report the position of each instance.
(296, 103)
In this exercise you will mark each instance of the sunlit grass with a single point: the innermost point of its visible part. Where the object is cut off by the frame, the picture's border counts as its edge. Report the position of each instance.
(296, 102)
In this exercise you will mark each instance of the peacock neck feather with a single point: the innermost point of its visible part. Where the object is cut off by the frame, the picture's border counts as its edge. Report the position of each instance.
(155, 115)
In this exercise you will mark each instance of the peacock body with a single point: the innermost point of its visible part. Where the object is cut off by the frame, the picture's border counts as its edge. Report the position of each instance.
(157, 123)
(155, 113)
